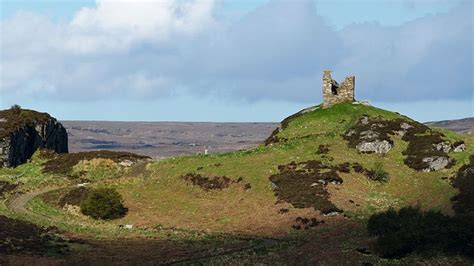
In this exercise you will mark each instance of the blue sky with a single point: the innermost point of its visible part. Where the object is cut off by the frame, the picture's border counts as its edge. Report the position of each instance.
(241, 60)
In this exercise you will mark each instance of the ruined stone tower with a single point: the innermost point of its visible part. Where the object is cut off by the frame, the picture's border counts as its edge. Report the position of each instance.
(334, 93)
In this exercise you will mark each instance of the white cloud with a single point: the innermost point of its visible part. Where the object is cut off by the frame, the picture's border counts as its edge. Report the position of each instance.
(98, 53)
(428, 58)
(152, 49)
(146, 19)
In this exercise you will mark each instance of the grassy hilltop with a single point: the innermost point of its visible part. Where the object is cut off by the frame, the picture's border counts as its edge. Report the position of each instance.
(302, 197)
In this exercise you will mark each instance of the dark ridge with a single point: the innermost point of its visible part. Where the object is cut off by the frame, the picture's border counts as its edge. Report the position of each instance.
(463, 126)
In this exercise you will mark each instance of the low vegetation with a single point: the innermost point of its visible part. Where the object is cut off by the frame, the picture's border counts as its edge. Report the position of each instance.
(409, 230)
(64, 163)
(18, 236)
(6, 187)
(207, 183)
(304, 185)
(378, 172)
(464, 181)
(96, 169)
(74, 197)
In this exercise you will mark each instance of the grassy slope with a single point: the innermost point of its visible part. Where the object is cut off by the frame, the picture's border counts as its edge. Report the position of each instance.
(158, 198)
(162, 197)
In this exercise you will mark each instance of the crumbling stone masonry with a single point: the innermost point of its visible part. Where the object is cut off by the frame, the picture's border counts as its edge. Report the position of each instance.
(334, 93)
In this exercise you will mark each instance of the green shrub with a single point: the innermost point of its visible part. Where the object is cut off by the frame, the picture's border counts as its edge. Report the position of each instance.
(103, 203)
(383, 223)
(378, 172)
(412, 230)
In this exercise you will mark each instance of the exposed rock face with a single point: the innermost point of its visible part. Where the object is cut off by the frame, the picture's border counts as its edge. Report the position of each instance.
(22, 132)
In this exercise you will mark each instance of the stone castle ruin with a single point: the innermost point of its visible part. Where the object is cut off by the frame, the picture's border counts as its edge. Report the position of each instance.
(334, 93)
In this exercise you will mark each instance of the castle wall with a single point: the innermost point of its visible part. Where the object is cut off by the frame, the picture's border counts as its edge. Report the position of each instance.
(333, 93)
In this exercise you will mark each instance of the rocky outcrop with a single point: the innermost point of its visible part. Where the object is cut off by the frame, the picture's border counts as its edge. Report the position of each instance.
(376, 146)
(446, 147)
(427, 149)
(436, 163)
(22, 132)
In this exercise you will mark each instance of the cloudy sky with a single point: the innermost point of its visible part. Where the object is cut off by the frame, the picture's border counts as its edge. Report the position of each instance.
(233, 60)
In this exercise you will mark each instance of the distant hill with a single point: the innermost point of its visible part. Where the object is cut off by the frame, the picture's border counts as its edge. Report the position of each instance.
(464, 126)
(165, 139)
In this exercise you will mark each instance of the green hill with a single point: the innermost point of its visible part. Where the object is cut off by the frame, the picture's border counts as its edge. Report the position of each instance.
(311, 186)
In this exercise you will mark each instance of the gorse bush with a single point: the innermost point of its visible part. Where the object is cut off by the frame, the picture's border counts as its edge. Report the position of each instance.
(412, 230)
(103, 203)
(15, 107)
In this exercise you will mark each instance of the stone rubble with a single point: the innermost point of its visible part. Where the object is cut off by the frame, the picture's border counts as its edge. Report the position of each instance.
(460, 148)
(436, 163)
(333, 93)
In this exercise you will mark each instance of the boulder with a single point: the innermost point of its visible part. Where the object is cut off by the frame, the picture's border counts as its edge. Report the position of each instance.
(364, 120)
(436, 163)
(126, 163)
(443, 146)
(376, 146)
(404, 127)
(369, 134)
(459, 148)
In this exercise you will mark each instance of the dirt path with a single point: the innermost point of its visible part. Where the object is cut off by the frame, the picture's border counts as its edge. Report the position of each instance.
(18, 202)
